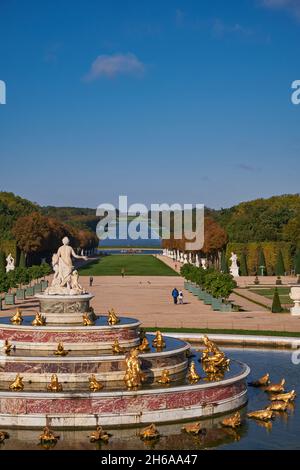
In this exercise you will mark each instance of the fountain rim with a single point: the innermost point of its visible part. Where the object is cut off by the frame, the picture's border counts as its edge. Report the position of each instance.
(124, 393)
(69, 327)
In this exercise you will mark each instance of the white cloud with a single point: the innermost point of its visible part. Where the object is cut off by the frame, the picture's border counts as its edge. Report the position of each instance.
(110, 66)
(292, 6)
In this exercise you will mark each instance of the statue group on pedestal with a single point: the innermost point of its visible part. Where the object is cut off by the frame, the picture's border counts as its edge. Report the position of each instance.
(65, 279)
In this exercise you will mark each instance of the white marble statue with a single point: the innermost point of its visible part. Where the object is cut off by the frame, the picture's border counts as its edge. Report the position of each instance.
(203, 263)
(197, 263)
(234, 269)
(10, 266)
(65, 279)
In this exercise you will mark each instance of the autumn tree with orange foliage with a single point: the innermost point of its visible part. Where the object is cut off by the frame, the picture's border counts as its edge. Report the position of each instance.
(215, 239)
(36, 233)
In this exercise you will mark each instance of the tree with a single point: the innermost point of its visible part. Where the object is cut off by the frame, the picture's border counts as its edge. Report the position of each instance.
(215, 237)
(244, 265)
(262, 265)
(276, 305)
(224, 264)
(297, 263)
(22, 261)
(279, 268)
(2, 263)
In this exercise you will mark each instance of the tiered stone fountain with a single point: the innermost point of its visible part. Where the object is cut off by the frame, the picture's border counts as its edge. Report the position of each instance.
(89, 351)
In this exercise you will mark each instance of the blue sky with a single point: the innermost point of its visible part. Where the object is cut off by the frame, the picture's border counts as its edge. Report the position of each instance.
(164, 101)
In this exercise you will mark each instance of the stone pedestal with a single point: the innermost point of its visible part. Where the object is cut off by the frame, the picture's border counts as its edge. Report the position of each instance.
(64, 309)
(295, 296)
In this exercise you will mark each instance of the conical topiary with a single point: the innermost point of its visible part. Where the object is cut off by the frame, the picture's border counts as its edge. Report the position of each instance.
(276, 305)
(243, 265)
(22, 261)
(2, 263)
(297, 263)
(279, 268)
(224, 265)
(262, 265)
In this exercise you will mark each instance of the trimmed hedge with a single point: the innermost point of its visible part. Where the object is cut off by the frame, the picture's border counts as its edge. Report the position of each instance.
(23, 276)
(214, 282)
(271, 250)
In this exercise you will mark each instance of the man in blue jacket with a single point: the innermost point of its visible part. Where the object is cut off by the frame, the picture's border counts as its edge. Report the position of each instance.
(175, 295)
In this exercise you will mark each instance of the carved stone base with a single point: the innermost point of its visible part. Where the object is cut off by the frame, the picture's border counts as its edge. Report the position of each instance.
(64, 309)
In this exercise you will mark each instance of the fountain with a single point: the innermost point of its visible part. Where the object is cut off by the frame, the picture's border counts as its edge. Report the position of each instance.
(147, 379)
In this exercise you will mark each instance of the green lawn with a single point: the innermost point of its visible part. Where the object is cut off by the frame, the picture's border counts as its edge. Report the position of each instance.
(269, 292)
(134, 265)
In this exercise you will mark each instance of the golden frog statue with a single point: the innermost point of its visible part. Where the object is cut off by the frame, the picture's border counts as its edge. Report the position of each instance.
(233, 421)
(99, 435)
(276, 388)
(264, 415)
(158, 341)
(150, 432)
(144, 346)
(86, 320)
(54, 385)
(17, 318)
(113, 319)
(278, 406)
(287, 397)
(192, 428)
(47, 437)
(192, 375)
(60, 351)
(17, 385)
(39, 320)
(134, 377)
(262, 382)
(7, 347)
(116, 348)
(165, 377)
(94, 384)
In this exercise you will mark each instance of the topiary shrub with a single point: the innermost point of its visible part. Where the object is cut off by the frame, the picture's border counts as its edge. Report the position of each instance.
(276, 305)
(262, 265)
(243, 265)
(279, 268)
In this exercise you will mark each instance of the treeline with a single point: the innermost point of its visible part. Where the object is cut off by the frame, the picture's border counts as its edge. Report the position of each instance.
(276, 219)
(32, 233)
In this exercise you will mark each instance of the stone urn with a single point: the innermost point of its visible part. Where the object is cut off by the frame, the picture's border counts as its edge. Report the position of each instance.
(295, 296)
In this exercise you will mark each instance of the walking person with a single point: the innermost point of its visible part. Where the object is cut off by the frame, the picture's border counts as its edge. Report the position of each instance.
(180, 297)
(91, 281)
(175, 295)
(122, 272)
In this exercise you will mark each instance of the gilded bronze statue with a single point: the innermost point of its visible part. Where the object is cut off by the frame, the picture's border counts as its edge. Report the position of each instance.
(55, 385)
(94, 384)
(39, 320)
(134, 377)
(17, 385)
(17, 318)
(113, 319)
(158, 341)
(193, 376)
(233, 421)
(60, 350)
